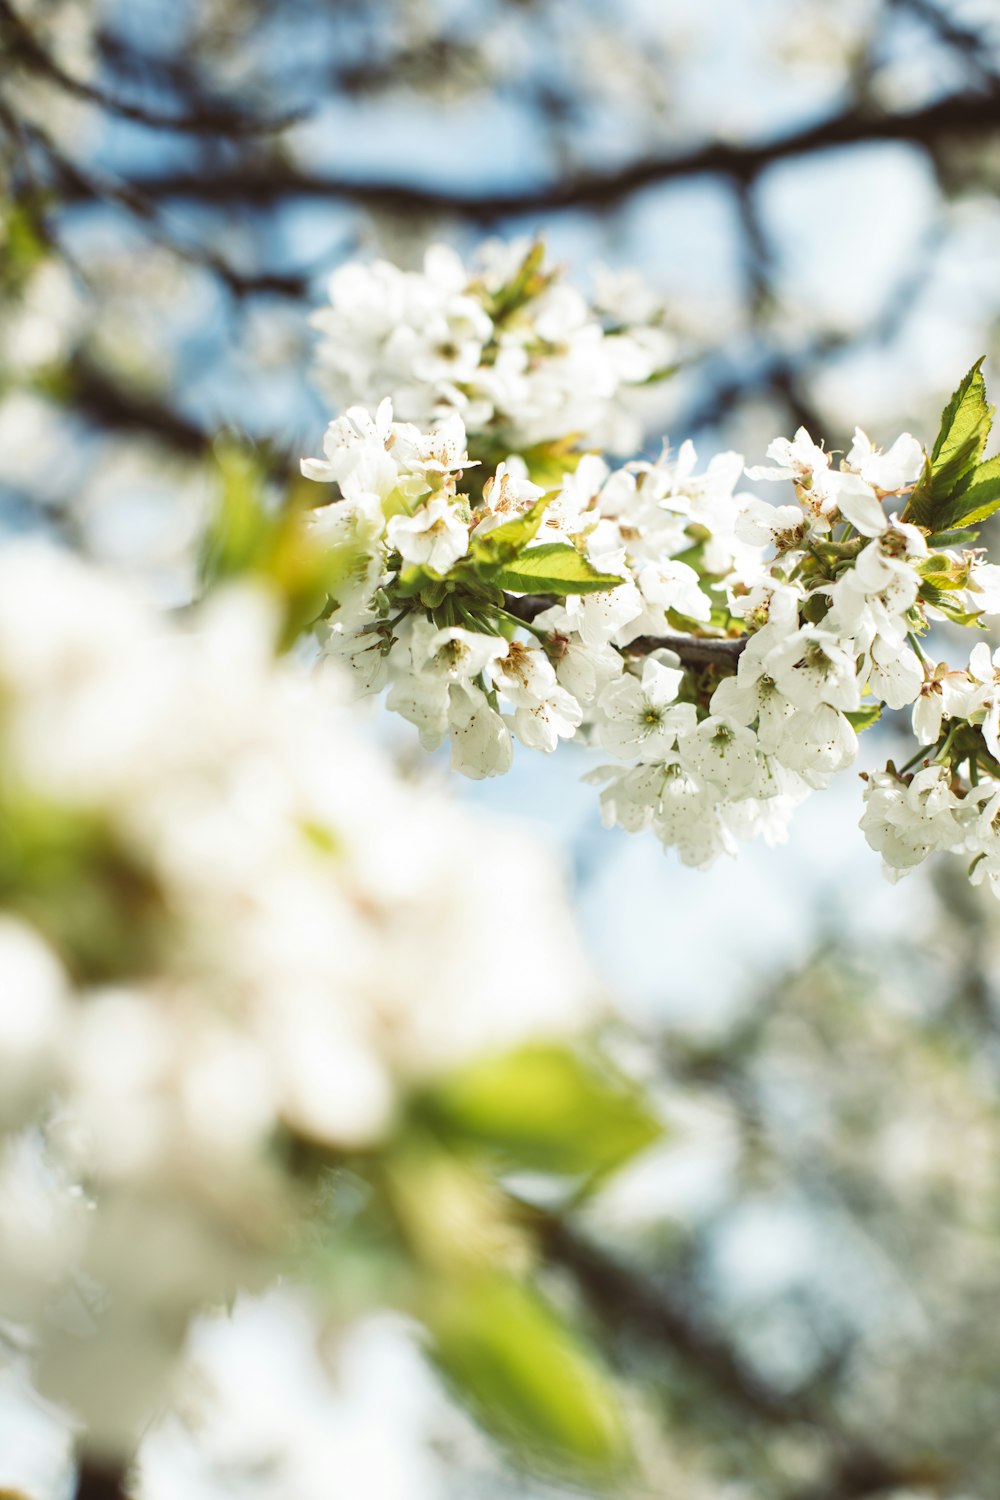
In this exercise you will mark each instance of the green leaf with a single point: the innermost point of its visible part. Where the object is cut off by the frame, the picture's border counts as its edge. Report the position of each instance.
(503, 543)
(943, 572)
(865, 717)
(976, 499)
(527, 1376)
(953, 538)
(954, 613)
(965, 426)
(554, 568)
(527, 282)
(547, 1108)
(241, 528)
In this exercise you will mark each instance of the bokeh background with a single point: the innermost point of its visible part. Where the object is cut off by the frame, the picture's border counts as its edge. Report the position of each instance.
(802, 1281)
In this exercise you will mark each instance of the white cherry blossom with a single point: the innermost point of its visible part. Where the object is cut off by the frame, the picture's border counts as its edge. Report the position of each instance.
(640, 717)
(435, 536)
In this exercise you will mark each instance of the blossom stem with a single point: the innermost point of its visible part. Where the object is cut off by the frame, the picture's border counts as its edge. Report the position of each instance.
(942, 753)
(925, 660)
(536, 630)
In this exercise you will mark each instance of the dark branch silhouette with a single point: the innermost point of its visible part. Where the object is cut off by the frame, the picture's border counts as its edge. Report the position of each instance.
(23, 48)
(265, 182)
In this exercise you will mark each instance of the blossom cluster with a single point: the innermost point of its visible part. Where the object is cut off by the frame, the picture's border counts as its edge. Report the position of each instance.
(724, 651)
(951, 802)
(229, 936)
(509, 346)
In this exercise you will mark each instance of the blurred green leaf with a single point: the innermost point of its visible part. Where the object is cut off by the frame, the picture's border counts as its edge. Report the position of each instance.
(249, 537)
(67, 872)
(547, 1108)
(527, 1376)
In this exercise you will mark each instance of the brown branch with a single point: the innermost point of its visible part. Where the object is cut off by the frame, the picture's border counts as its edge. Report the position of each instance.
(693, 650)
(262, 183)
(89, 391)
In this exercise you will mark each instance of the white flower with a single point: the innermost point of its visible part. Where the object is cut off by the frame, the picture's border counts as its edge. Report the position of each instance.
(451, 653)
(631, 795)
(753, 695)
(480, 739)
(894, 673)
(638, 717)
(943, 694)
(582, 670)
(508, 494)
(799, 459)
(821, 489)
(362, 651)
(984, 586)
(985, 673)
(441, 451)
(812, 667)
(523, 674)
(764, 525)
(671, 586)
(601, 617)
(857, 502)
(906, 822)
(424, 702)
(888, 472)
(817, 743)
(724, 754)
(767, 601)
(434, 537)
(556, 716)
(546, 712)
(885, 567)
(688, 819)
(356, 453)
